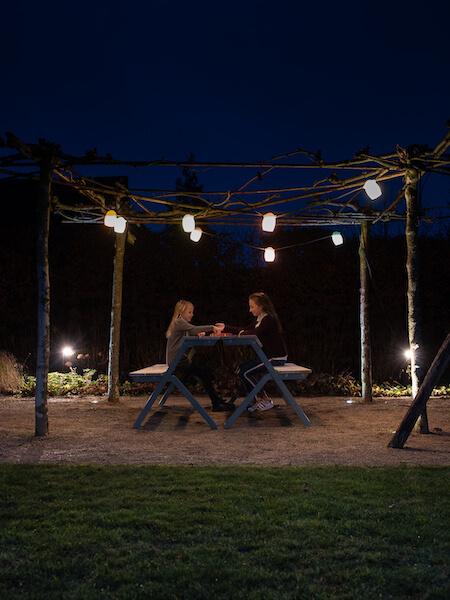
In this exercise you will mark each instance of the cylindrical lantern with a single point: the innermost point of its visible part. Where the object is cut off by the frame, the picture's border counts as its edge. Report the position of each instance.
(110, 218)
(269, 254)
(188, 223)
(120, 225)
(196, 234)
(372, 189)
(337, 238)
(269, 221)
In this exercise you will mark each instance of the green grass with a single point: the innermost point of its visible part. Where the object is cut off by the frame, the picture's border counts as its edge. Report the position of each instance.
(82, 532)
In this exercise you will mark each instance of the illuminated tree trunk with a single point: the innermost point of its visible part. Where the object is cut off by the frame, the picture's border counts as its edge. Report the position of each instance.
(43, 346)
(412, 269)
(116, 319)
(366, 354)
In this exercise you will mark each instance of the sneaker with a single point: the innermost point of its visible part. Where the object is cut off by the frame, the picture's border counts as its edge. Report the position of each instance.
(264, 405)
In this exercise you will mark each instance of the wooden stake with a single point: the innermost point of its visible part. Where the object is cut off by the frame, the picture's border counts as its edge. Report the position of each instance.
(419, 405)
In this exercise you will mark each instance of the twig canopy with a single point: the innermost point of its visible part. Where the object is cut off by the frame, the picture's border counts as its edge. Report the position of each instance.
(334, 199)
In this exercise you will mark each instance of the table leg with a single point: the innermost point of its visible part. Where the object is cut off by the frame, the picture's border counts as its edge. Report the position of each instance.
(289, 399)
(196, 405)
(240, 409)
(166, 394)
(156, 392)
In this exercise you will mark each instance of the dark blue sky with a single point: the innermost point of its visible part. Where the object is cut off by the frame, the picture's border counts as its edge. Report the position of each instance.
(228, 80)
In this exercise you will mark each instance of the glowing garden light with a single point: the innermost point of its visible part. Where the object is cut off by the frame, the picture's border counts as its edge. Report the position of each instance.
(110, 218)
(372, 189)
(408, 354)
(269, 221)
(337, 238)
(269, 254)
(196, 234)
(67, 351)
(188, 223)
(120, 225)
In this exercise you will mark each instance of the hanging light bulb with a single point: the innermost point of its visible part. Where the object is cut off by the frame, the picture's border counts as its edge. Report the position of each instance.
(269, 221)
(269, 254)
(110, 218)
(196, 234)
(188, 223)
(120, 225)
(372, 189)
(337, 238)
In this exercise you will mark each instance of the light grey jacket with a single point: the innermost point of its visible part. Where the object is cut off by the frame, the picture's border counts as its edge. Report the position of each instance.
(181, 329)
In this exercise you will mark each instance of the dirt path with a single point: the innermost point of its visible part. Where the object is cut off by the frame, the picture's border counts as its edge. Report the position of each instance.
(89, 430)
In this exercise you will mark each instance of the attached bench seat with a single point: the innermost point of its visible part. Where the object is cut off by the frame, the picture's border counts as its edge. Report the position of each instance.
(154, 373)
(151, 373)
(292, 371)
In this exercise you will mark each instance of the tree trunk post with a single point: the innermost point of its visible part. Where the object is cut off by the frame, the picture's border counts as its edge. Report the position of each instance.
(412, 270)
(366, 354)
(43, 347)
(116, 319)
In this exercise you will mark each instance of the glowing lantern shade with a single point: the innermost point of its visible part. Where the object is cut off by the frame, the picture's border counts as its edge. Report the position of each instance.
(196, 234)
(110, 218)
(269, 254)
(269, 221)
(337, 238)
(372, 189)
(188, 223)
(120, 225)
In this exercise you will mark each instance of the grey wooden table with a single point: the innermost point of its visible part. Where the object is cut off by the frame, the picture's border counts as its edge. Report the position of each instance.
(164, 375)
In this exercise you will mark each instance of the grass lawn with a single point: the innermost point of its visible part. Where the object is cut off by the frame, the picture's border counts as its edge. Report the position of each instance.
(163, 532)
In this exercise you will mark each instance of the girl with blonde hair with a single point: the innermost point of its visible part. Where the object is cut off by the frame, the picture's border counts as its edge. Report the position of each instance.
(180, 326)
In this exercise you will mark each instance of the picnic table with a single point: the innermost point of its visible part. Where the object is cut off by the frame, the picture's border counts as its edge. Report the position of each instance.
(164, 375)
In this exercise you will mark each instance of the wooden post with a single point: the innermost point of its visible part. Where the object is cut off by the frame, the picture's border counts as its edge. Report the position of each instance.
(116, 319)
(43, 347)
(418, 406)
(366, 354)
(412, 269)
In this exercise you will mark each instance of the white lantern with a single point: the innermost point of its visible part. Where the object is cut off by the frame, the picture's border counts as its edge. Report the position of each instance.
(372, 189)
(110, 218)
(120, 225)
(337, 238)
(196, 234)
(188, 223)
(269, 221)
(269, 254)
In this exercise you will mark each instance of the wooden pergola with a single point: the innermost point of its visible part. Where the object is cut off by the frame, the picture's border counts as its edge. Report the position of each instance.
(336, 198)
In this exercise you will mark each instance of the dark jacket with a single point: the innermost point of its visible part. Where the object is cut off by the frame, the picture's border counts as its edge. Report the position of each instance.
(271, 339)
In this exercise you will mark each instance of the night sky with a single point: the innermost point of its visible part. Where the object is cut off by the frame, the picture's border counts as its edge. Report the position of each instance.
(226, 80)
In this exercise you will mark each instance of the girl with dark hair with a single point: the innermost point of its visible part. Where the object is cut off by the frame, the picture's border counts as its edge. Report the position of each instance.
(266, 325)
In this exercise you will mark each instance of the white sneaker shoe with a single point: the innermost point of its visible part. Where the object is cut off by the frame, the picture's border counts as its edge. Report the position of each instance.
(264, 405)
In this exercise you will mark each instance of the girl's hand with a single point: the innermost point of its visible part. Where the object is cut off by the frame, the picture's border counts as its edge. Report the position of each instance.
(241, 331)
(201, 334)
(219, 327)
